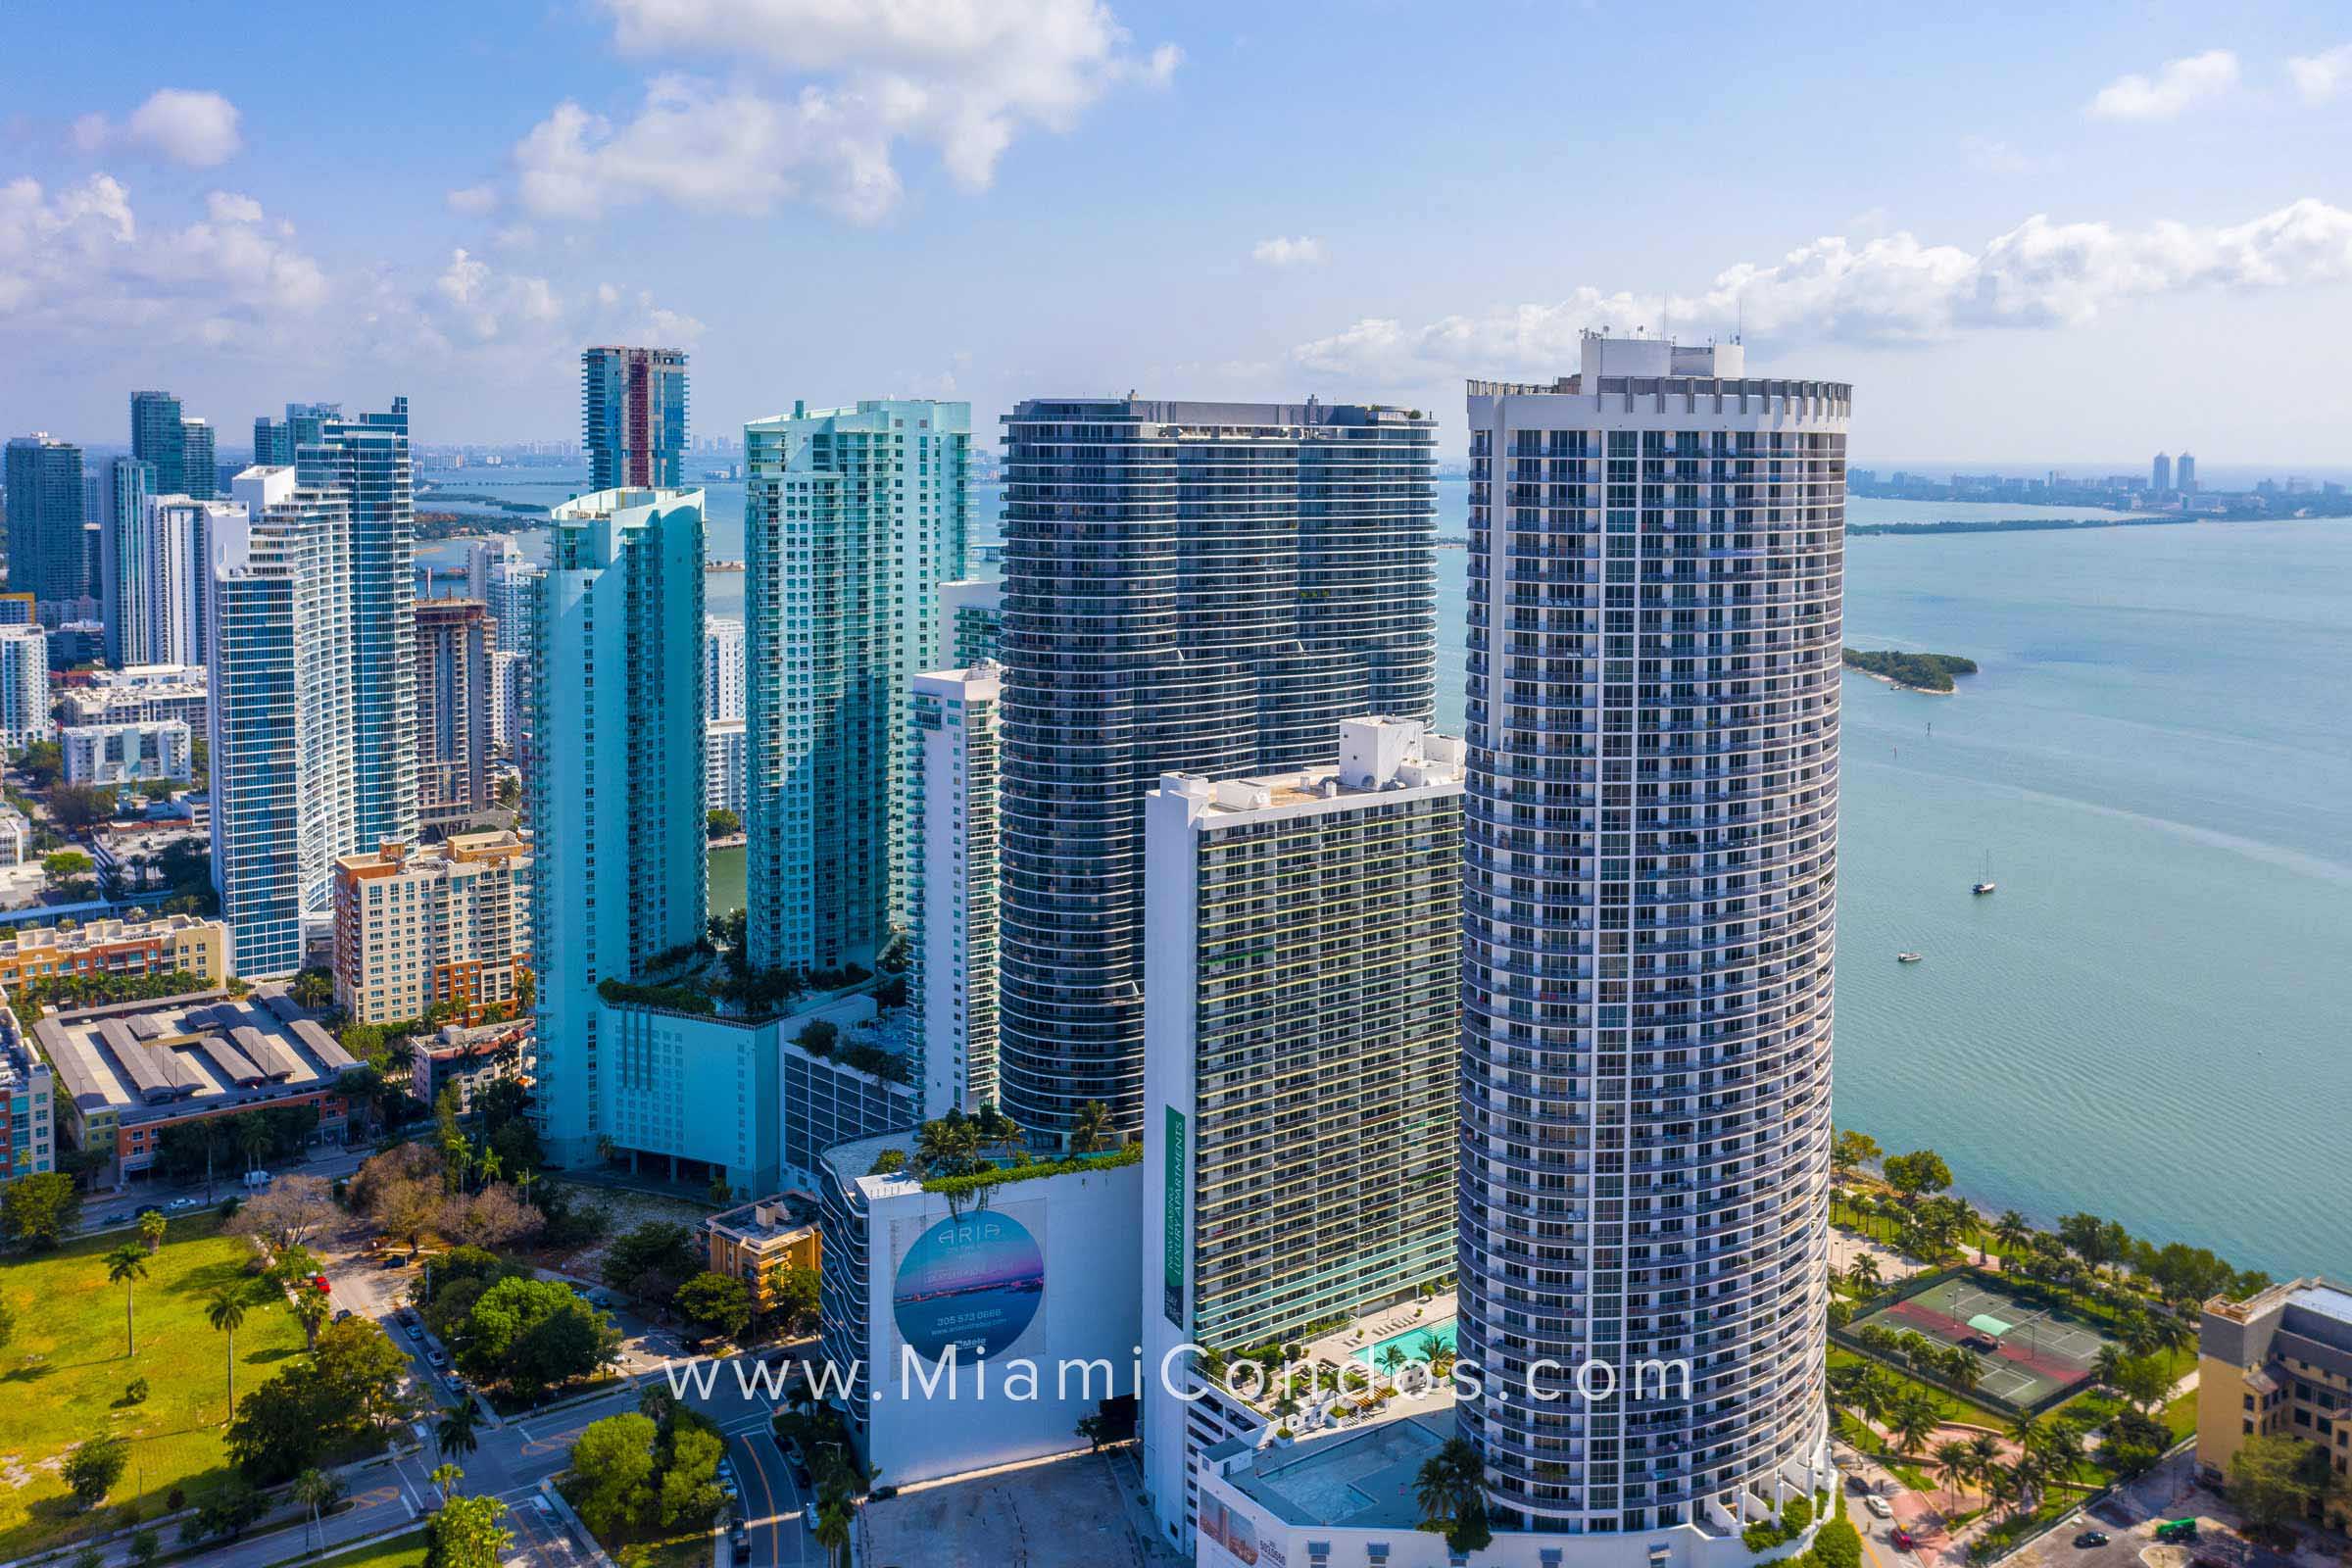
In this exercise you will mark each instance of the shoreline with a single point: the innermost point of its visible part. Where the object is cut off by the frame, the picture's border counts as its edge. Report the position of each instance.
(1900, 686)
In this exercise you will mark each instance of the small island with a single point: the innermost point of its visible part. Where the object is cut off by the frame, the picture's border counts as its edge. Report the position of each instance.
(1918, 672)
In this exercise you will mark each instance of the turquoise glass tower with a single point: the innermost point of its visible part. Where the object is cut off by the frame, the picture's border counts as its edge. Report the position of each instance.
(616, 784)
(852, 519)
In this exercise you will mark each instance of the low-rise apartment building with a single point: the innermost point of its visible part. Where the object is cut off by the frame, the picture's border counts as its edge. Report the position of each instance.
(139, 694)
(445, 923)
(755, 1241)
(27, 1125)
(175, 943)
(136, 752)
(468, 1059)
(2277, 1364)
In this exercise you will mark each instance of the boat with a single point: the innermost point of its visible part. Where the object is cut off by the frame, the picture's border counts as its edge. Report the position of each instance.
(1987, 885)
(1909, 957)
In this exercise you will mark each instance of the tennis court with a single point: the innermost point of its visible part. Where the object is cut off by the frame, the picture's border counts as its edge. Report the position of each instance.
(2026, 1353)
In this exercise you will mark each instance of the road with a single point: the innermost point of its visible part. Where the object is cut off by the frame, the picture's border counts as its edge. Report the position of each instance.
(772, 1505)
(103, 1211)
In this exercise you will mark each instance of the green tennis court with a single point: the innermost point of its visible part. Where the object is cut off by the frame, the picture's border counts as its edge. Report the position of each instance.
(2024, 1352)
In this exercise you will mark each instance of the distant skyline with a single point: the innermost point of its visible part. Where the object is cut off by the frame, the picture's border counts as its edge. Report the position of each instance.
(2116, 230)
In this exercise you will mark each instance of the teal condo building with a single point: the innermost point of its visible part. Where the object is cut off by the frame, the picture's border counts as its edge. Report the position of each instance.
(854, 517)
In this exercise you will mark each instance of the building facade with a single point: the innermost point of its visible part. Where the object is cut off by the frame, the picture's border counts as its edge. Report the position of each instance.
(28, 1110)
(951, 885)
(1201, 587)
(633, 417)
(723, 765)
(276, 441)
(1302, 1012)
(159, 439)
(2279, 1364)
(1649, 922)
(24, 687)
(722, 667)
(140, 693)
(46, 557)
(971, 620)
(615, 785)
(120, 495)
(454, 640)
(175, 943)
(852, 518)
(446, 924)
(127, 753)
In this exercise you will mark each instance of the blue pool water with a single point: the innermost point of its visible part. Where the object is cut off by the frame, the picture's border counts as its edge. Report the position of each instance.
(1422, 1345)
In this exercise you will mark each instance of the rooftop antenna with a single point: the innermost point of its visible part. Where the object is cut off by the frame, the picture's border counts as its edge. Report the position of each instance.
(1740, 316)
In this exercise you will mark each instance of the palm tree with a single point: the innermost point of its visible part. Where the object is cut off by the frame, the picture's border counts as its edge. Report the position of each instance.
(252, 1140)
(2110, 1364)
(225, 1310)
(833, 1528)
(310, 1310)
(453, 1433)
(124, 1266)
(2173, 1336)
(1913, 1420)
(2012, 1233)
(152, 1226)
(1438, 1488)
(1863, 1273)
(316, 1491)
(1954, 1463)
(1093, 1129)
(311, 990)
(446, 1476)
(1983, 1455)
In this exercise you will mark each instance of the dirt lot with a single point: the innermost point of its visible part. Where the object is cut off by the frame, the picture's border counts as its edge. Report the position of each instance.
(629, 1210)
(1069, 1513)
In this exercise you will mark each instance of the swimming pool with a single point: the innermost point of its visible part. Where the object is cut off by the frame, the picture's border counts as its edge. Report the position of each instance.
(1419, 1344)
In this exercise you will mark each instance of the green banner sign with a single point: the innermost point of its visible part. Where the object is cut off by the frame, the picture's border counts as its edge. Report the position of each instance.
(1172, 1217)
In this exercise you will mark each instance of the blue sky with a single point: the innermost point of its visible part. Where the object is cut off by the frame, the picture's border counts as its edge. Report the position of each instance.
(2025, 238)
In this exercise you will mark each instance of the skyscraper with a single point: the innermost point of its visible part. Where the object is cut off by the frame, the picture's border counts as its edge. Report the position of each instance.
(453, 711)
(633, 415)
(121, 515)
(2188, 470)
(2159, 474)
(852, 518)
(722, 667)
(1203, 587)
(282, 751)
(45, 556)
(199, 471)
(366, 459)
(24, 688)
(951, 884)
(1648, 906)
(617, 780)
(157, 439)
(276, 441)
(178, 554)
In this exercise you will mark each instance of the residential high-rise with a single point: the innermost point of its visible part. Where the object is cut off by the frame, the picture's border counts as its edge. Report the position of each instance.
(1302, 938)
(178, 543)
(276, 441)
(126, 753)
(1203, 587)
(45, 552)
(366, 459)
(633, 413)
(453, 710)
(282, 753)
(723, 748)
(159, 439)
(508, 669)
(446, 924)
(951, 884)
(498, 574)
(198, 470)
(24, 688)
(971, 620)
(1648, 914)
(115, 503)
(616, 787)
(2159, 474)
(2187, 473)
(722, 667)
(852, 518)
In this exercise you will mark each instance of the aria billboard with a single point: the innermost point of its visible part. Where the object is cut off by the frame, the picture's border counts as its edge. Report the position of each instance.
(973, 1281)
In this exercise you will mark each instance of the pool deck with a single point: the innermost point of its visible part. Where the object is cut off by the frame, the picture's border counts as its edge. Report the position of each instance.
(1368, 1331)
(1364, 1478)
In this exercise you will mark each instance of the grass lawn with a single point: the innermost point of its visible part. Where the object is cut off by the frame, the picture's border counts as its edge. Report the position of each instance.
(401, 1551)
(677, 1552)
(65, 1371)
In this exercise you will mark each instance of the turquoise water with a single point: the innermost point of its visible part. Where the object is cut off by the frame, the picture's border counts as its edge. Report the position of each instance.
(1422, 1345)
(2152, 1018)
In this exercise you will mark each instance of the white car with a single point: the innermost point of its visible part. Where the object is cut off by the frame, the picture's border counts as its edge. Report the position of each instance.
(1878, 1506)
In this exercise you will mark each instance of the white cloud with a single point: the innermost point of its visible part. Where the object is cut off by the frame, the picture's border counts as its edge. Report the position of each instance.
(174, 123)
(2179, 86)
(474, 200)
(1990, 155)
(1890, 290)
(1304, 251)
(827, 90)
(2321, 77)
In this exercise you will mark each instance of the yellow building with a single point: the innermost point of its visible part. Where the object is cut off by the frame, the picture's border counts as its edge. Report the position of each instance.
(177, 942)
(437, 924)
(2276, 1364)
(752, 1243)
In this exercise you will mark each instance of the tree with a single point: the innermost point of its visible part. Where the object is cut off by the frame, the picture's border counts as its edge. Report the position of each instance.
(611, 1473)
(2143, 1380)
(125, 1266)
(833, 1528)
(717, 1303)
(317, 1491)
(295, 1209)
(145, 1547)
(1863, 1273)
(39, 1211)
(1913, 1420)
(650, 1260)
(1852, 1150)
(495, 1216)
(817, 1037)
(792, 1298)
(2274, 1480)
(1913, 1175)
(152, 1228)
(311, 1310)
(454, 1433)
(466, 1533)
(1954, 1464)
(409, 1210)
(720, 823)
(1093, 1130)
(689, 1493)
(534, 1335)
(1450, 1491)
(79, 808)
(225, 1310)
(359, 1368)
(91, 1470)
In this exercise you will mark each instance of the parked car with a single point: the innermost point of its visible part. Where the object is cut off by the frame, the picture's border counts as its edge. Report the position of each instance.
(432, 1353)
(116, 1219)
(1878, 1506)
(1903, 1539)
(740, 1538)
(2091, 1538)
(145, 1209)
(318, 1282)
(341, 1314)
(182, 1204)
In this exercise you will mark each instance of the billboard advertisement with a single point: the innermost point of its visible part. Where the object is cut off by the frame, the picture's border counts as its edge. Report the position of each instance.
(974, 1281)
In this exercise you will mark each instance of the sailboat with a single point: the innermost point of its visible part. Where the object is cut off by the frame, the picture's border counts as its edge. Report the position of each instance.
(1987, 884)
(1909, 957)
